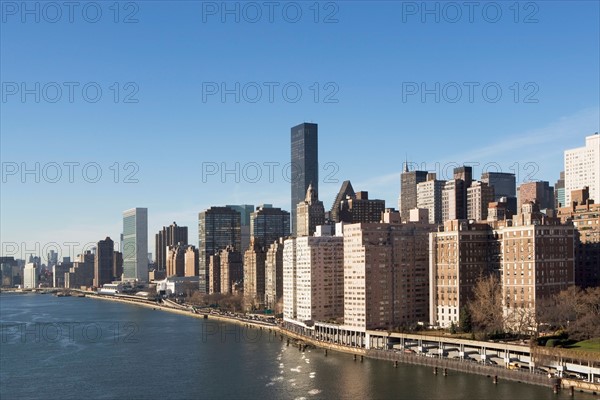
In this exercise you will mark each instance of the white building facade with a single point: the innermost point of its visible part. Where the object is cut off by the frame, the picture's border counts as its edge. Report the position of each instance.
(582, 168)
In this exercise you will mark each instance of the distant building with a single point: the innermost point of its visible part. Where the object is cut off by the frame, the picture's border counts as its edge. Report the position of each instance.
(582, 169)
(454, 195)
(419, 215)
(30, 276)
(117, 268)
(168, 236)
(214, 274)
(464, 174)
(310, 213)
(218, 228)
(52, 258)
(135, 244)
(479, 196)
(254, 275)
(360, 209)
(497, 211)
(429, 196)
(267, 224)
(245, 210)
(103, 262)
(585, 217)
(231, 267)
(304, 165)
(191, 261)
(539, 192)
(81, 274)
(157, 275)
(453, 203)
(6, 271)
(408, 190)
(505, 186)
(392, 216)
(274, 275)
(176, 260)
(559, 192)
(346, 191)
(175, 285)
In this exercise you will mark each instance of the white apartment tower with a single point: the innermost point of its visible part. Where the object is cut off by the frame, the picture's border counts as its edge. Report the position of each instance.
(582, 168)
(313, 278)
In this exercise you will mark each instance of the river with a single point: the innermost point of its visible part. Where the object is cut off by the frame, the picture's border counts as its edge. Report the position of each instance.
(74, 348)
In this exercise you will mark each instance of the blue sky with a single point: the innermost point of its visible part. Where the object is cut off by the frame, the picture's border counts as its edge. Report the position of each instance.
(370, 68)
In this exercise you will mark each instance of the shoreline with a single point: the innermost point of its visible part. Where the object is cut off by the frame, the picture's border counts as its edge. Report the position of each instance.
(301, 341)
(494, 373)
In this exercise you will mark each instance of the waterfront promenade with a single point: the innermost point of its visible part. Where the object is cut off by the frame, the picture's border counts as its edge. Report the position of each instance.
(439, 364)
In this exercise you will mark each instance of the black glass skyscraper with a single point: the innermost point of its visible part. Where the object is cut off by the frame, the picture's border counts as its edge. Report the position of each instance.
(304, 164)
(218, 227)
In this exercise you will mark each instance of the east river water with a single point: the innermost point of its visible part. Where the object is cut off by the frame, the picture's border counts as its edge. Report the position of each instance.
(82, 348)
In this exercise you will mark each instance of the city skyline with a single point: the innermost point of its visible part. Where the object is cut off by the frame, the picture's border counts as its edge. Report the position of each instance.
(73, 247)
(179, 135)
(351, 199)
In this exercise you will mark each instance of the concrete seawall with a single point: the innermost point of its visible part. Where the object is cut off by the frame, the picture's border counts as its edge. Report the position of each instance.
(443, 364)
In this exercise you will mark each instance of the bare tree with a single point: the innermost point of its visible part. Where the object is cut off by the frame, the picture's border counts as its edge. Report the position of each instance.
(574, 311)
(521, 320)
(586, 324)
(486, 305)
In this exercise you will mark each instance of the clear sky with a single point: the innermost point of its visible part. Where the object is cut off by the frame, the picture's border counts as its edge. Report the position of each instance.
(188, 87)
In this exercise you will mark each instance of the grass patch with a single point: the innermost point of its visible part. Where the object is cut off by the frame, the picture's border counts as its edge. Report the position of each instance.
(587, 345)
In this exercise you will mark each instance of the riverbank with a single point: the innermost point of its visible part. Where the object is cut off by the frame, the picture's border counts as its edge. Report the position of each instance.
(438, 365)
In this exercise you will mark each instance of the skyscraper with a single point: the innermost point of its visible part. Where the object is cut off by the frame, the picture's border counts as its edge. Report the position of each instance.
(267, 224)
(176, 260)
(361, 209)
(582, 168)
(408, 190)
(559, 191)
(168, 236)
(505, 185)
(429, 196)
(30, 276)
(274, 276)
(479, 196)
(245, 211)
(304, 164)
(231, 269)
(135, 244)
(218, 227)
(103, 262)
(310, 214)
(345, 191)
(454, 195)
(254, 275)
(191, 261)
